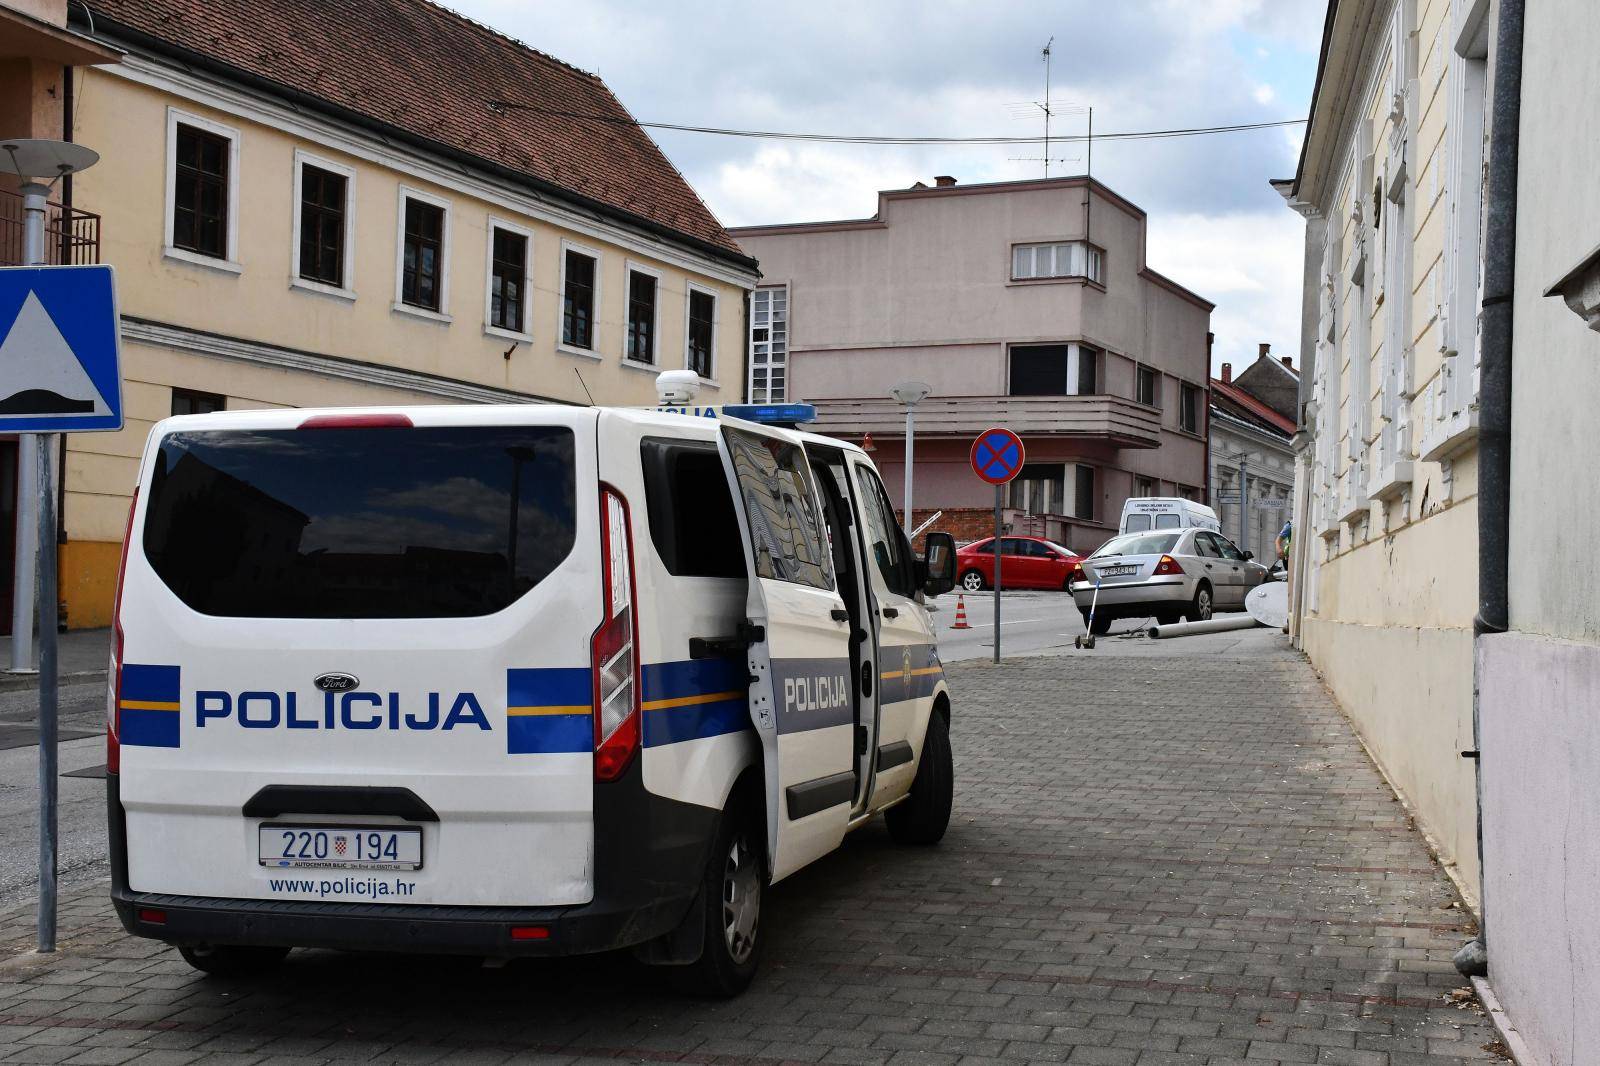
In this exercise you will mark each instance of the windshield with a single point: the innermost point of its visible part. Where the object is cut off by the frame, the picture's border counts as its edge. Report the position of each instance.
(1138, 544)
(433, 522)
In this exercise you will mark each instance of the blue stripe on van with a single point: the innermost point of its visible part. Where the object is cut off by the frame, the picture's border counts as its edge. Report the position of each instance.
(148, 702)
(693, 699)
(549, 710)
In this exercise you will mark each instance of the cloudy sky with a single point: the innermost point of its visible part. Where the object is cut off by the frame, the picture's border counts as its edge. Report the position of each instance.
(948, 68)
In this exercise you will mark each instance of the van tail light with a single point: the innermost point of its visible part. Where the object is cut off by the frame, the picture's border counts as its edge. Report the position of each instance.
(615, 645)
(365, 420)
(1168, 566)
(114, 689)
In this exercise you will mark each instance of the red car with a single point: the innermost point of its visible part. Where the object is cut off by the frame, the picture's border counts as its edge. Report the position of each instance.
(1025, 563)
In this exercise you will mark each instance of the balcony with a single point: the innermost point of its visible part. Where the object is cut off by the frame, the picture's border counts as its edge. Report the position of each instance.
(1107, 418)
(71, 236)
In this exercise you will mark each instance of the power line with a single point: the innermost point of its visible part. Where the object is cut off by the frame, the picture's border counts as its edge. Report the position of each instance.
(506, 107)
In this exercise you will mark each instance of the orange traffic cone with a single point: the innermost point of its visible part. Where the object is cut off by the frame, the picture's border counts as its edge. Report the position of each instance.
(961, 613)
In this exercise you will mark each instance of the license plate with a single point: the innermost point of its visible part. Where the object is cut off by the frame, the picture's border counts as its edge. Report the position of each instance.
(344, 847)
(1117, 571)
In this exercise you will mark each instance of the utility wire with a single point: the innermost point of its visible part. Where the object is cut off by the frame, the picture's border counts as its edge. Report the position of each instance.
(506, 107)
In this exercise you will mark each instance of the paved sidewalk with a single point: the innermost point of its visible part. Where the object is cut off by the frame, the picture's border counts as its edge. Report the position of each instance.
(80, 653)
(1154, 862)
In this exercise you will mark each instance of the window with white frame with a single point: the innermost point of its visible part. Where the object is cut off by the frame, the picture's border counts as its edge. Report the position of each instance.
(639, 343)
(1450, 398)
(202, 216)
(1147, 386)
(324, 198)
(1390, 472)
(1059, 259)
(506, 307)
(769, 344)
(423, 264)
(700, 332)
(1188, 408)
(580, 289)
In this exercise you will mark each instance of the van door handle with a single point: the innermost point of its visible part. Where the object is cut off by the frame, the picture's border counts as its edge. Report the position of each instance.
(890, 612)
(839, 614)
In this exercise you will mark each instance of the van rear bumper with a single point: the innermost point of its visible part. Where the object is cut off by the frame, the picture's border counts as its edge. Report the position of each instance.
(649, 862)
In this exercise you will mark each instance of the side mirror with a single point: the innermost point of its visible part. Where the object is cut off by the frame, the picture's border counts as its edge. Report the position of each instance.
(939, 564)
(1248, 554)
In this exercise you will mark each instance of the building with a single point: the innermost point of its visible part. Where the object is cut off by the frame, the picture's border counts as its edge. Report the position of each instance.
(1390, 182)
(1539, 652)
(1252, 458)
(307, 208)
(1026, 304)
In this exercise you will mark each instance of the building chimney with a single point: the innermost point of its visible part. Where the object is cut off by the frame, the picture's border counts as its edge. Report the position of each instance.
(1227, 373)
(1266, 350)
(943, 181)
(1288, 361)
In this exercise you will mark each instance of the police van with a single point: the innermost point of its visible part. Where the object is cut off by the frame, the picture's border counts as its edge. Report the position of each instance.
(509, 681)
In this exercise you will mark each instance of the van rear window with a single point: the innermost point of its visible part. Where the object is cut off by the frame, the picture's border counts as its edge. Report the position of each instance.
(429, 522)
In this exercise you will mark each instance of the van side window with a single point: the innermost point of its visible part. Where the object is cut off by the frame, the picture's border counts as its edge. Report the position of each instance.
(786, 532)
(692, 520)
(1168, 521)
(883, 537)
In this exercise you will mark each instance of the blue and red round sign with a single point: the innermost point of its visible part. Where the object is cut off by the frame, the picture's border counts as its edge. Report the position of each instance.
(997, 455)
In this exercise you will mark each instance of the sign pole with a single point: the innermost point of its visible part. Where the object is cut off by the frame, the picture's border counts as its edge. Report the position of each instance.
(48, 732)
(35, 195)
(998, 490)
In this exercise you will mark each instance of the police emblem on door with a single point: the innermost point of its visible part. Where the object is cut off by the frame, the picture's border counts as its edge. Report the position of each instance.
(905, 671)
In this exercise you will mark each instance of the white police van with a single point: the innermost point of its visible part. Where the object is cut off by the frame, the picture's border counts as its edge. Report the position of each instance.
(506, 681)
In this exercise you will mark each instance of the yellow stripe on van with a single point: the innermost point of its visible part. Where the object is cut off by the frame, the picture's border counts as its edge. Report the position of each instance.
(149, 705)
(926, 670)
(521, 712)
(690, 701)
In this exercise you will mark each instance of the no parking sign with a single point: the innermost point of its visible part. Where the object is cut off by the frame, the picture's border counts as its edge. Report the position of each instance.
(997, 457)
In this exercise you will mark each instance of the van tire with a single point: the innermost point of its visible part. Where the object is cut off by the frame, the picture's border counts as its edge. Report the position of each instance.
(233, 960)
(737, 864)
(925, 814)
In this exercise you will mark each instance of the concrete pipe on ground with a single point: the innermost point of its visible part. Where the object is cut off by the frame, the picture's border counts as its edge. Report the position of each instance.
(1212, 625)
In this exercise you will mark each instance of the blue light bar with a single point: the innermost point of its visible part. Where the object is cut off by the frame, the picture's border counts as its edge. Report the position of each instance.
(776, 414)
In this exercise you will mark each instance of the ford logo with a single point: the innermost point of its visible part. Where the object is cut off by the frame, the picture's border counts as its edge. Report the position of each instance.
(337, 682)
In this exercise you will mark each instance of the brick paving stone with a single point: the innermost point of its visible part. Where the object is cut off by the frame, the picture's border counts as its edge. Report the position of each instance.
(1160, 861)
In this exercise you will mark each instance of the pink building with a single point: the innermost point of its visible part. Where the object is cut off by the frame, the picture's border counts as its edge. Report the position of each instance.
(1025, 304)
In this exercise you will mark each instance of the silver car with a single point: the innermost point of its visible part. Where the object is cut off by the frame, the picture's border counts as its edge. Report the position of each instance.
(1164, 574)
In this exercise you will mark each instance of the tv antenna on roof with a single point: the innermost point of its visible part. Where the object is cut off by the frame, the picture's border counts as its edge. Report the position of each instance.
(1046, 56)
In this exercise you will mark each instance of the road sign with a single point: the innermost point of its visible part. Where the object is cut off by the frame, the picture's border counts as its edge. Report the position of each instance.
(60, 357)
(1269, 505)
(997, 455)
(1228, 497)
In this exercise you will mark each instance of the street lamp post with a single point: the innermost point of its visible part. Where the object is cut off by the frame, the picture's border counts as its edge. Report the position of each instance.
(33, 161)
(910, 393)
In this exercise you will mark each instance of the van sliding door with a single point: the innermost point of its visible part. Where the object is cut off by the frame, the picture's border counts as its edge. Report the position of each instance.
(802, 693)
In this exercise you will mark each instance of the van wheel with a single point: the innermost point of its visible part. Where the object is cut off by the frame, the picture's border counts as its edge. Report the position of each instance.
(233, 960)
(923, 816)
(1200, 609)
(732, 893)
(972, 581)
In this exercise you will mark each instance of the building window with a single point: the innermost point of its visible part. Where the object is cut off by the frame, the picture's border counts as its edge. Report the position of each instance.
(200, 188)
(1189, 409)
(1145, 387)
(702, 336)
(508, 280)
(1083, 499)
(1068, 259)
(189, 402)
(577, 300)
(422, 265)
(1053, 370)
(1144, 486)
(1038, 488)
(323, 199)
(769, 344)
(1189, 492)
(641, 340)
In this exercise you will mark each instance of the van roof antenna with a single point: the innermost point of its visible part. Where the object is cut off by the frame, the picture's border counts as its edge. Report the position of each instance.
(586, 392)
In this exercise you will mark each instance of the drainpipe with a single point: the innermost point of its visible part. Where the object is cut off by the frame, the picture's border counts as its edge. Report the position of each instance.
(1494, 404)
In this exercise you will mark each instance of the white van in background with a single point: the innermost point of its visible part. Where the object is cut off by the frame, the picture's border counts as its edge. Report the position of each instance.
(1140, 514)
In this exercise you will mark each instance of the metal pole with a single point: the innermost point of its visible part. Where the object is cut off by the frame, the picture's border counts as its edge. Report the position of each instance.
(1244, 506)
(997, 557)
(48, 762)
(911, 441)
(35, 196)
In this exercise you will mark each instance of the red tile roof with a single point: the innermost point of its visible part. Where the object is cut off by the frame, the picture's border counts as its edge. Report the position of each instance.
(1249, 407)
(428, 72)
